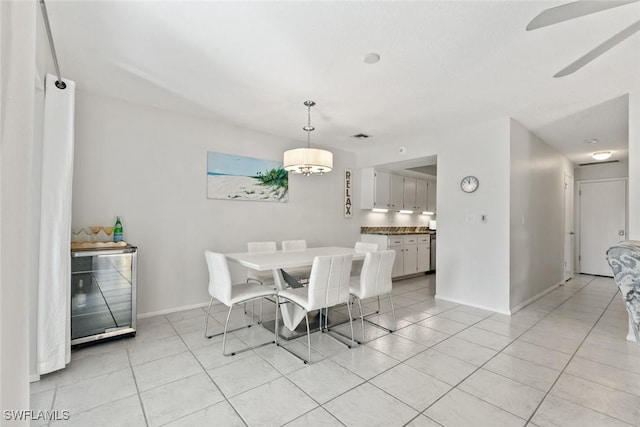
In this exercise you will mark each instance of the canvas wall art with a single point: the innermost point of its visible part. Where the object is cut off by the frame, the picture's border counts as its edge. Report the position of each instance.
(232, 177)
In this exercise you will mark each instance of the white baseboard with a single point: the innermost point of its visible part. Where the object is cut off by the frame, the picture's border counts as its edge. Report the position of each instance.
(535, 297)
(172, 310)
(482, 307)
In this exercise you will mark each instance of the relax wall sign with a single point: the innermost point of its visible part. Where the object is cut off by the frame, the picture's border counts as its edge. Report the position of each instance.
(347, 193)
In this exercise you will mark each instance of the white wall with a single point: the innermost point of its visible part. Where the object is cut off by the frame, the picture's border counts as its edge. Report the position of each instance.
(149, 167)
(17, 65)
(605, 171)
(634, 165)
(537, 215)
(473, 258)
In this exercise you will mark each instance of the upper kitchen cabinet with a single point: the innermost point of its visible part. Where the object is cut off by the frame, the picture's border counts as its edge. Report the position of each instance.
(415, 194)
(409, 200)
(432, 195)
(397, 192)
(376, 187)
(384, 190)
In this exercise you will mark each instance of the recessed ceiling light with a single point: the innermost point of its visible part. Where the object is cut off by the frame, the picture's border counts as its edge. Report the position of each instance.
(591, 141)
(371, 58)
(601, 155)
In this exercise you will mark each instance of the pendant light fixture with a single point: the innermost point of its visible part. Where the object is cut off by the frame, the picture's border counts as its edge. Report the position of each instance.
(308, 161)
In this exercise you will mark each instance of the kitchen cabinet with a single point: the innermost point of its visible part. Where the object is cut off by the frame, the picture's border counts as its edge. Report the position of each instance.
(412, 252)
(424, 252)
(422, 190)
(396, 243)
(410, 255)
(432, 195)
(375, 189)
(415, 194)
(409, 200)
(396, 195)
(386, 190)
(381, 190)
(103, 293)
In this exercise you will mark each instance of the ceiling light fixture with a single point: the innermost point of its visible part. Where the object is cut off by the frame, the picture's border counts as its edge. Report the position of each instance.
(308, 161)
(601, 155)
(591, 141)
(371, 58)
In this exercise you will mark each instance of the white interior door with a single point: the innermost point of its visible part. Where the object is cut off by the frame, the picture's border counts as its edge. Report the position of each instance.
(602, 223)
(568, 227)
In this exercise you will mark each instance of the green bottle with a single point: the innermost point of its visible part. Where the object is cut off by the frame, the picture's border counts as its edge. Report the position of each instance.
(117, 231)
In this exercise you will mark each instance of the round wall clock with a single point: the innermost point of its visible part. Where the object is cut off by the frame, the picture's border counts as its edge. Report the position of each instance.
(469, 184)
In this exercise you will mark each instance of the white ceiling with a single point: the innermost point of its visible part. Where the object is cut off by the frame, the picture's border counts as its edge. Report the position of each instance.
(445, 64)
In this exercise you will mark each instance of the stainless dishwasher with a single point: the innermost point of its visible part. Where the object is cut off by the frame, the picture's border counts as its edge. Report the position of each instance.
(433, 252)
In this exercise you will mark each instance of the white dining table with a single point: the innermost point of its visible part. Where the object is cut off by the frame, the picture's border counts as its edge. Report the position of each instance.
(292, 315)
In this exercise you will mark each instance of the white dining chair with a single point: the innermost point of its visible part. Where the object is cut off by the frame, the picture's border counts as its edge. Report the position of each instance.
(328, 286)
(262, 277)
(222, 289)
(361, 247)
(374, 281)
(300, 274)
(364, 247)
(293, 245)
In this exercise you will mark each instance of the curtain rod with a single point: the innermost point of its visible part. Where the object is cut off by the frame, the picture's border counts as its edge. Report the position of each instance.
(59, 83)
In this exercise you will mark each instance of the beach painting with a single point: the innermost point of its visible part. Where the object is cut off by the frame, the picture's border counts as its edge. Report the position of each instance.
(232, 177)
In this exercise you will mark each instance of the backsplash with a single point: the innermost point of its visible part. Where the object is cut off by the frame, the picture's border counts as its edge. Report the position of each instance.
(394, 230)
(395, 219)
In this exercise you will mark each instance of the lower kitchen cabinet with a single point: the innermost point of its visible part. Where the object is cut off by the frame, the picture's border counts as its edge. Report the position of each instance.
(412, 252)
(424, 252)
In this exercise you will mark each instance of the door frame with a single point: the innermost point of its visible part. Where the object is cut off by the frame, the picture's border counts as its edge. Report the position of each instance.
(569, 229)
(577, 206)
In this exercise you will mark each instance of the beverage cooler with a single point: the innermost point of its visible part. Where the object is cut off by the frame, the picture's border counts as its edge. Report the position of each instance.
(103, 293)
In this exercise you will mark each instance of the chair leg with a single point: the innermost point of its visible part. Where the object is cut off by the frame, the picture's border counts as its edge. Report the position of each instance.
(206, 320)
(306, 316)
(275, 327)
(334, 334)
(206, 324)
(226, 324)
(224, 338)
(393, 311)
(261, 308)
(351, 325)
(308, 331)
(361, 320)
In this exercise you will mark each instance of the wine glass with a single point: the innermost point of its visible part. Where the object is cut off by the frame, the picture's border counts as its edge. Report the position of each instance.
(95, 230)
(108, 231)
(79, 235)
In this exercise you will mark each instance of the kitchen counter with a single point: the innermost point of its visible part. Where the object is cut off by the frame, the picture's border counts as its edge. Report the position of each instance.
(394, 231)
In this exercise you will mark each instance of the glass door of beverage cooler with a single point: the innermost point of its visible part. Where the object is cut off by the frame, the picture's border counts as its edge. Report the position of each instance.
(103, 293)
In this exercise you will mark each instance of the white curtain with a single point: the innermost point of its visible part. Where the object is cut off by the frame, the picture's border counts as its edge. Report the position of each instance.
(54, 290)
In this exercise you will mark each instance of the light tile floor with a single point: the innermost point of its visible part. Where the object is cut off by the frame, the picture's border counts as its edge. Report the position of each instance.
(561, 361)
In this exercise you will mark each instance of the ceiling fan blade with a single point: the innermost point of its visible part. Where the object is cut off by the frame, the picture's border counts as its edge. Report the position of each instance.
(599, 50)
(573, 10)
